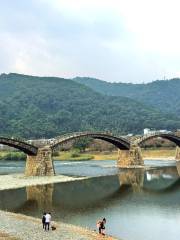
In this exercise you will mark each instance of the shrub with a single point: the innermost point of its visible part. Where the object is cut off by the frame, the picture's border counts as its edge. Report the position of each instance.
(15, 156)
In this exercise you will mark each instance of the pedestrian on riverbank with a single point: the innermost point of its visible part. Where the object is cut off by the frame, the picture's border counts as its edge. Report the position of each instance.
(47, 221)
(44, 220)
(98, 224)
(101, 226)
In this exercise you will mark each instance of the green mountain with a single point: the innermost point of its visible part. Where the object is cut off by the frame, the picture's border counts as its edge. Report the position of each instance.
(34, 107)
(162, 94)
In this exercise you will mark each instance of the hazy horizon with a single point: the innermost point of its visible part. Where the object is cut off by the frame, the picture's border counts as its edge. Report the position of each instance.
(115, 41)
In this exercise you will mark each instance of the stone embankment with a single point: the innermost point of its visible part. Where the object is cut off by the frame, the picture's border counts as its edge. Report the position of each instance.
(20, 227)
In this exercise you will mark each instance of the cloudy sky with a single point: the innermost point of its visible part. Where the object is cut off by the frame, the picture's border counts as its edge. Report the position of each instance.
(113, 40)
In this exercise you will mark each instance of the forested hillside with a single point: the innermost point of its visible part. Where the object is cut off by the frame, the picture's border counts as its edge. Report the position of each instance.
(34, 107)
(164, 94)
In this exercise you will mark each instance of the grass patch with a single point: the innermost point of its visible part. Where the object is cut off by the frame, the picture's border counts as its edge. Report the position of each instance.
(73, 155)
(105, 155)
(147, 153)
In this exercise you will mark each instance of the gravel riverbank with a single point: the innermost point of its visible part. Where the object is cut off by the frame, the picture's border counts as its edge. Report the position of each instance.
(18, 226)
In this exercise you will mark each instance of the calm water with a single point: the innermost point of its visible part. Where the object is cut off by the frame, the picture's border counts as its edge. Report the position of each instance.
(138, 204)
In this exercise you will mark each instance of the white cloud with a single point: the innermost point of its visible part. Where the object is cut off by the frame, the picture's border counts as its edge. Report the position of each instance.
(116, 40)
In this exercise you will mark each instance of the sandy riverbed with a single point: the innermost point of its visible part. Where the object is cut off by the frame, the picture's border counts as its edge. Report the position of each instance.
(13, 181)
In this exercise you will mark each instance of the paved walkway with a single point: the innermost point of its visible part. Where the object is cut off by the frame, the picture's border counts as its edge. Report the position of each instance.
(28, 228)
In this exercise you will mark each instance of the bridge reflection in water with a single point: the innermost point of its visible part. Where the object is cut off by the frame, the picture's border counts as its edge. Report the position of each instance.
(93, 192)
(88, 194)
(132, 177)
(41, 195)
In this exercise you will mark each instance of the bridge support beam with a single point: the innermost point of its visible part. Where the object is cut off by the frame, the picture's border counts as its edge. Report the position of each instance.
(131, 158)
(41, 164)
(177, 154)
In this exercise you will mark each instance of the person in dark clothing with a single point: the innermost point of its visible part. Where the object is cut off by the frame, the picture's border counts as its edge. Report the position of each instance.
(102, 226)
(44, 220)
(98, 225)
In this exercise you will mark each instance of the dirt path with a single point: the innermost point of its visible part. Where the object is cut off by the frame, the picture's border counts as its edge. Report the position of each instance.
(21, 227)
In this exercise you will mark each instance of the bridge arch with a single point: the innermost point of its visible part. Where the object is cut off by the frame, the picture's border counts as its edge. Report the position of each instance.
(169, 136)
(119, 142)
(20, 145)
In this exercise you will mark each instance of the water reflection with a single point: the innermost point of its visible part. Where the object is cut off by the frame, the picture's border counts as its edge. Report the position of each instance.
(132, 199)
(88, 193)
(41, 196)
(178, 167)
(133, 178)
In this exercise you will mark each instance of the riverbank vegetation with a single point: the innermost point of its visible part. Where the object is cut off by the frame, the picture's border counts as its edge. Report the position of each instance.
(73, 155)
(113, 155)
(14, 156)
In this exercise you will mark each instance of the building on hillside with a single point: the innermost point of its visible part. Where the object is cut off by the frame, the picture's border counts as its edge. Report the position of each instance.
(149, 131)
(153, 131)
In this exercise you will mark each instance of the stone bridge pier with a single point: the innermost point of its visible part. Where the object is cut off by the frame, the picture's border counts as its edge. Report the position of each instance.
(130, 158)
(41, 164)
(177, 154)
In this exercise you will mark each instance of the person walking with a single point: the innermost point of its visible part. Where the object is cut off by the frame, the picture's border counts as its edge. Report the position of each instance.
(44, 220)
(47, 221)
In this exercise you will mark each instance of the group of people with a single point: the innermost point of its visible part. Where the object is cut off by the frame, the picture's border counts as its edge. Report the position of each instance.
(46, 220)
(101, 226)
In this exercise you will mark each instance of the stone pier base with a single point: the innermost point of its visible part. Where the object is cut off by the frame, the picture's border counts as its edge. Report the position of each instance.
(41, 164)
(177, 155)
(130, 158)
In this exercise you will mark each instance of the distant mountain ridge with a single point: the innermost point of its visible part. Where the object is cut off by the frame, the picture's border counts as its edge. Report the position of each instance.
(161, 94)
(38, 107)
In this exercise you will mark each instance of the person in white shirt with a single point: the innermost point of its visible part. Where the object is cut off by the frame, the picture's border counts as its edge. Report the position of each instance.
(47, 221)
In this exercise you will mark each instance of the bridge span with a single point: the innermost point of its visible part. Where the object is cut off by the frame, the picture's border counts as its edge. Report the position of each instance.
(39, 159)
(120, 142)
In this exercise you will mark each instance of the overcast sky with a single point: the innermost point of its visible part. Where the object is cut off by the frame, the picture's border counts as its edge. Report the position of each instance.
(113, 40)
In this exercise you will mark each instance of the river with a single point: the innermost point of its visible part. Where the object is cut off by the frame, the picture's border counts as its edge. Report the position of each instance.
(137, 204)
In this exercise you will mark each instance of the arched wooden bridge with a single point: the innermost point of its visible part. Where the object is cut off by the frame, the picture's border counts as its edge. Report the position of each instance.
(39, 159)
(20, 145)
(119, 142)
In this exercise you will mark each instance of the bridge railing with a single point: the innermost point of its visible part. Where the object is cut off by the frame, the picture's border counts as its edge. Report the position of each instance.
(79, 134)
(20, 140)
